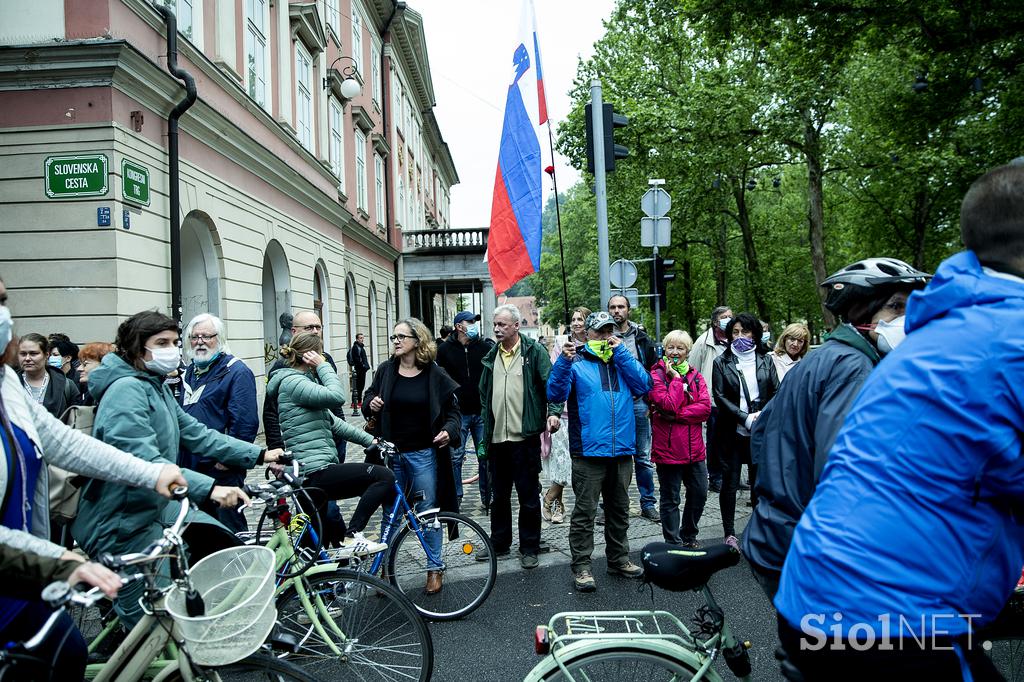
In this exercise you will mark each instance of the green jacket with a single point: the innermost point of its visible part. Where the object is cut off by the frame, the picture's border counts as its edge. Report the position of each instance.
(138, 414)
(307, 425)
(536, 409)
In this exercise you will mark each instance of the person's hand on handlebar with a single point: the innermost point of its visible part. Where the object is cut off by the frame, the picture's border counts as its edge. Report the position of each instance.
(170, 478)
(228, 496)
(272, 455)
(96, 575)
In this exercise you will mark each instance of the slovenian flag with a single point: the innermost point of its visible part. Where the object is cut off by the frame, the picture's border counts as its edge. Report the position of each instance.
(514, 241)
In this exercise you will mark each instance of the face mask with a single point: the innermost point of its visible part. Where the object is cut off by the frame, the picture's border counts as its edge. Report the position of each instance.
(743, 345)
(723, 323)
(473, 331)
(165, 360)
(203, 364)
(6, 327)
(600, 348)
(890, 334)
(766, 337)
(55, 361)
(683, 368)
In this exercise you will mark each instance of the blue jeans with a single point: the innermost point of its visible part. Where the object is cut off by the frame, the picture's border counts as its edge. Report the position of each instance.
(416, 471)
(471, 424)
(642, 458)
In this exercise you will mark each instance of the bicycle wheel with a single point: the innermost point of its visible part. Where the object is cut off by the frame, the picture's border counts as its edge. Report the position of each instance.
(378, 632)
(615, 664)
(255, 667)
(466, 581)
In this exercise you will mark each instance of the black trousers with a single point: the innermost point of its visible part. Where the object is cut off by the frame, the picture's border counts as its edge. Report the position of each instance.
(733, 458)
(515, 463)
(373, 484)
(358, 386)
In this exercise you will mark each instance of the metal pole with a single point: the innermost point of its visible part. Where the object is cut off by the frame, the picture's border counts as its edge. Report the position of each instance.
(600, 189)
(657, 304)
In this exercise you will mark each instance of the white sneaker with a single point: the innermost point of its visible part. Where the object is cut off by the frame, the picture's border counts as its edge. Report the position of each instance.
(358, 545)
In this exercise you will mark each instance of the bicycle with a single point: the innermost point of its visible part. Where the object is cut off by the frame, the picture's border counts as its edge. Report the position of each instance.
(467, 581)
(343, 623)
(647, 645)
(207, 624)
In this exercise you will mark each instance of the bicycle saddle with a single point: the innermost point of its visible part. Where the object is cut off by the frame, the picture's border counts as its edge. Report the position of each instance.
(678, 569)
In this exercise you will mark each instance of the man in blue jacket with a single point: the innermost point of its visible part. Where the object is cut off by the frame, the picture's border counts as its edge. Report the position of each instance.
(913, 538)
(600, 383)
(219, 390)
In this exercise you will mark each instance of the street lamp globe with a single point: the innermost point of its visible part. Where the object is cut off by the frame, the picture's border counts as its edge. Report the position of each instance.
(350, 88)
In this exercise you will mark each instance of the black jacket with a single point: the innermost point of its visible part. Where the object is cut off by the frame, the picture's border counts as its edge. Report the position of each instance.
(791, 439)
(726, 388)
(356, 358)
(444, 414)
(61, 392)
(271, 419)
(464, 363)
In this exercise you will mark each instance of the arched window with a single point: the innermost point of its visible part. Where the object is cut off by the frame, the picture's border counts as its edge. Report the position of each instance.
(277, 299)
(321, 301)
(350, 311)
(371, 336)
(200, 267)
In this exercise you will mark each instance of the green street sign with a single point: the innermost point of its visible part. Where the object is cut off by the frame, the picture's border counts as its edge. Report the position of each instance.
(82, 175)
(134, 182)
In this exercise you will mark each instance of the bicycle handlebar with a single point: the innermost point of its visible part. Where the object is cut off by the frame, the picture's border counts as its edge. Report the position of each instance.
(382, 447)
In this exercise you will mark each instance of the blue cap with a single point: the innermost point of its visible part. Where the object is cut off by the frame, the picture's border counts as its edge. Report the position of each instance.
(466, 315)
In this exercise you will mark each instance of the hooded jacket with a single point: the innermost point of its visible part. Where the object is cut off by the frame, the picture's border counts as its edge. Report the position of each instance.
(222, 398)
(918, 511)
(679, 407)
(600, 400)
(137, 413)
(307, 425)
(464, 363)
(791, 439)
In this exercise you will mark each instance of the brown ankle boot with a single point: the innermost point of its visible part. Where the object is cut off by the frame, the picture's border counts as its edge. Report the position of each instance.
(433, 582)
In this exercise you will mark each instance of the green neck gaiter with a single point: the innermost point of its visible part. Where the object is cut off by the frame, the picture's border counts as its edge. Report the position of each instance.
(683, 368)
(601, 349)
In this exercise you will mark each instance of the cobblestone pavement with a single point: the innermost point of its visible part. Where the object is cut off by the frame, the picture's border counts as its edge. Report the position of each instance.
(555, 536)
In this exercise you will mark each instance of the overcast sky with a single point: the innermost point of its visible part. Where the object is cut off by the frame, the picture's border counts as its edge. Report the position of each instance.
(470, 44)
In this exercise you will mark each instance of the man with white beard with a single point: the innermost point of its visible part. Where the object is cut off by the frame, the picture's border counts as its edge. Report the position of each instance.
(219, 390)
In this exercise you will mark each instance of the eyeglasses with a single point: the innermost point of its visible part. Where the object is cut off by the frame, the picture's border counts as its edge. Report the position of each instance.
(400, 337)
(312, 327)
(202, 338)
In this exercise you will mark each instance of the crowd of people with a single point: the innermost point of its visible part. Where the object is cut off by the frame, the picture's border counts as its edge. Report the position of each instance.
(858, 468)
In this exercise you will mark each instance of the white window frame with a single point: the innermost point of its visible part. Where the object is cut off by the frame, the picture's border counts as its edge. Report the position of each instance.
(334, 17)
(400, 218)
(361, 198)
(336, 146)
(378, 189)
(375, 74)
(303, 96)
(357, 36)
(257, 23)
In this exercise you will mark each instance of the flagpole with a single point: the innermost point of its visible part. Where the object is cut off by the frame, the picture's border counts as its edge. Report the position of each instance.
(558, 219)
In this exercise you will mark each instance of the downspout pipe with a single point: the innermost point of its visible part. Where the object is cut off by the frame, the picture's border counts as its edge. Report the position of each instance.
(172, 153)
(396, 7)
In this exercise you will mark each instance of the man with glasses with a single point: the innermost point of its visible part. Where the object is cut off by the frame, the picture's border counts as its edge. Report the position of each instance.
(219, 390)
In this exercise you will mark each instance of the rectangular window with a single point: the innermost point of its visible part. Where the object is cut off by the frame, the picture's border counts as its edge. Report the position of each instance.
(304, 97)
(334, 18)
(400, 218)
(184, 10)
(378, 188)
(256, 50)
(337, 146)
(357, 37)
(361, 201)
(375, 74)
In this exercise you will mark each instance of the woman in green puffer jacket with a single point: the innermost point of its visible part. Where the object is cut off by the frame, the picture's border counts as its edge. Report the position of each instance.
(306, 389)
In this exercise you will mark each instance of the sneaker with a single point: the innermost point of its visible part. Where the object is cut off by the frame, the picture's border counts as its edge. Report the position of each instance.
(1020, 584)
(732, 542)
(651, 514)
(359, 545)
(546, 508)
(744, 485)
(584, 581)
(482, 555)
(626, 570)
(557, 512)
(529, 561)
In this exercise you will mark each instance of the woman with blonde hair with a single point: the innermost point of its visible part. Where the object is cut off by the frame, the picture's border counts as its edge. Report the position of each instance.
(680, 403)
(412, 403)
(306, 389)
(791, 347)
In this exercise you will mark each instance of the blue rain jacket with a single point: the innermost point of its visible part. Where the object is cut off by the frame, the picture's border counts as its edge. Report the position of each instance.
(918, 512)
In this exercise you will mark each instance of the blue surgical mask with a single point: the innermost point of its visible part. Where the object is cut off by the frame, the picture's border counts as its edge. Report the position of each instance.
(473, 331)
(723, 323)
(766, 337)
(55, 361)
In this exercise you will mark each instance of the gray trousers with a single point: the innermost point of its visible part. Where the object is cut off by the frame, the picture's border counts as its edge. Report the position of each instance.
(593, 478)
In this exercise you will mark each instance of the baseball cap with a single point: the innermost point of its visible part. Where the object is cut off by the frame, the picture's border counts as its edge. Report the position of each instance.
(466, 315)
(599, 320)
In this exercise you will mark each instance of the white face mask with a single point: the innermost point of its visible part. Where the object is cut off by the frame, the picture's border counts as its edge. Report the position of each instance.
(6, 327)
(165, 360)
(890, 334)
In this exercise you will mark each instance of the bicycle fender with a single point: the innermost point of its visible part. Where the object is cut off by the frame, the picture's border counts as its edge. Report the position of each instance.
(581, 649)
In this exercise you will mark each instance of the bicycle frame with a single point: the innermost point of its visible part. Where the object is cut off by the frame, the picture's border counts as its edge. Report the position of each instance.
(392, 525)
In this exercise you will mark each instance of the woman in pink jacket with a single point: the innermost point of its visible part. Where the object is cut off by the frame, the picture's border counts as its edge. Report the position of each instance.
(680, 403)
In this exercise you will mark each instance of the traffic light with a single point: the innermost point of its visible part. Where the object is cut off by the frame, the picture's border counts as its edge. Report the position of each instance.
(612, 151)
(660, 277)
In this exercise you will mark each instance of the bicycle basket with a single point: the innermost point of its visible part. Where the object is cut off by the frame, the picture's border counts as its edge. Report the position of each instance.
(237, 586)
